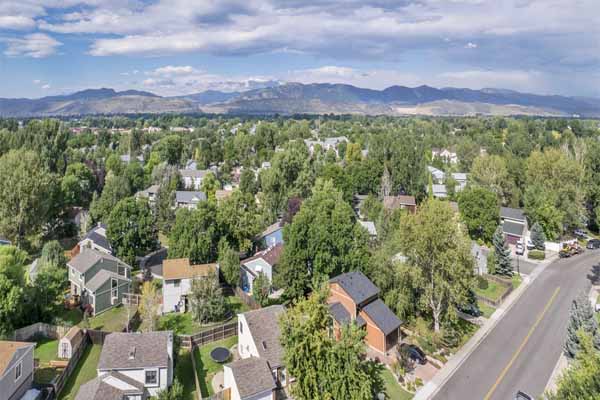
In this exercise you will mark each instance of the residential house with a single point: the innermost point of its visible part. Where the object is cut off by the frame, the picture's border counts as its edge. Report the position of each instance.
(99, 279)
(150, 194)
(132, 366)
(69, 343)
(437, 175)
(370, 228)
(480, 256)
(326, 144)
(439, 191)
(192, 178)
(461, 180)
(126, 158)
(263, 262)
(261, 368)
(16, 369)
(357, 203)
(152, 264)
(178, 275)
(445, 154)
(188, 199)
(96, 239)
(404, 202)
(514, 224)
(354, 298)
(271, 236)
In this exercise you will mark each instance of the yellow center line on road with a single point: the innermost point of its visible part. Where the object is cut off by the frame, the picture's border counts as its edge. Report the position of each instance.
(520, 349)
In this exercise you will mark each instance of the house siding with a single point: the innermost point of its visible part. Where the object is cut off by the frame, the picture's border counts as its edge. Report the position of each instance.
(338, 294)
(172, 294)
(375, 337)
(139, 375)
(103, 296)
(246, 346)
(11, 389)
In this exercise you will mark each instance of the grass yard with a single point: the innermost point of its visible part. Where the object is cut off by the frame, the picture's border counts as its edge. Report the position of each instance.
(184, 373)
(489, 289)
(69, 317)
(392, 388)
(112, 320)
(45, 351)
(206, 368)
(85, 372)
(486, 310)
(516, 281)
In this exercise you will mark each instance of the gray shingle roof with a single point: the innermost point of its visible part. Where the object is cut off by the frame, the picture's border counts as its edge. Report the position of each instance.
(100, 278)
(98, 389)
(339, 313)
(358, 286)
(369, 226)
(252, 376)
(99, 239)
(264, 327)
(87, 258)
(382, 316)
(150, 350)
(193, 173)
(189, 197)
(513, 228)
(512, 213)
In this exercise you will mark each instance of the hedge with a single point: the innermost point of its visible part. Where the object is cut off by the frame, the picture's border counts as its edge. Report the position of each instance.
(536, 254)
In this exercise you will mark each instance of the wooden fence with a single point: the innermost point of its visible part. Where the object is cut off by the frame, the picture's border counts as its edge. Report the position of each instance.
(59, 382)
(247, 299)
(40, 329)
(208, 336)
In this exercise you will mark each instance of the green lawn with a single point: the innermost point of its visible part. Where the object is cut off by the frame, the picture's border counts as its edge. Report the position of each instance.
(112, 320)
(184, 372)
(45, 351)
(492, 290)
(69, 317)
(516, 281)
(485, 309)
(206, 368)
(85, 372)
(392, 388)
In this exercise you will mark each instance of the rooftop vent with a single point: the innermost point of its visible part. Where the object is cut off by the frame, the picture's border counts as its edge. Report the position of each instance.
(132, 353)
(264, 344)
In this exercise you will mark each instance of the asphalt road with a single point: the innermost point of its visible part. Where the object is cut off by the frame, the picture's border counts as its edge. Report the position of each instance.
(521, 351)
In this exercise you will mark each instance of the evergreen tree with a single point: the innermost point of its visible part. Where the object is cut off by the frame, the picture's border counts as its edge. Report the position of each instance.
(386, 183)
(502, 253)
(538, 237)
(229, 263)
(581, 318)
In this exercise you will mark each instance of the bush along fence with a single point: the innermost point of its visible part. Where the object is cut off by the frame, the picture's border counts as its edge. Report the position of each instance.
(501, 281)
(210, 335)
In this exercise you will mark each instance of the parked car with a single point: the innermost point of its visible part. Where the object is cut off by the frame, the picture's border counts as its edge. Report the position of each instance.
(522, 396)
(520, 249)
(471, 309)
(593, 244)
(530, 245)
(580, 234)
(414, 353)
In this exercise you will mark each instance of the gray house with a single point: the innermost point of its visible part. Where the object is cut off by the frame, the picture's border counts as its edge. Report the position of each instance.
(132, 366)
(16, 369)
(188, 199)
(100, 279)
(514, 224)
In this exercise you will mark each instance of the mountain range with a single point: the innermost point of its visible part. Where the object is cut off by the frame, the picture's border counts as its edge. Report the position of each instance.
(316, 98)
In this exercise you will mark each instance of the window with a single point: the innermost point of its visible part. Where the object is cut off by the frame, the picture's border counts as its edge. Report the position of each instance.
(283, 376)
(177, 282)
(241, 327)
(152, 377)
(18, 371)
(114, 288)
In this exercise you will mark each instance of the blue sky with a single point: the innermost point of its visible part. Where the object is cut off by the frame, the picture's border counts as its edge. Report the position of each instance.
(174, 47)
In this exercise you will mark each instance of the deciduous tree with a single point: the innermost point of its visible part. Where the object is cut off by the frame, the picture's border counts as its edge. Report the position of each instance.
(206, 299)
(479, 211)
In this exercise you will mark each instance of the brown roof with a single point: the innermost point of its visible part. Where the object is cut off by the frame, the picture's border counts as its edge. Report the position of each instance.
(270, 255)
(393, 202)
(180, 268)
(8, 351)
(75, 335)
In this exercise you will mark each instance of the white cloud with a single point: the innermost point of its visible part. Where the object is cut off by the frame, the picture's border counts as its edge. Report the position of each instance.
(46, 86)
(16, 22)
(37, 81)
(172, 70)
(35, 45)
(470, 45)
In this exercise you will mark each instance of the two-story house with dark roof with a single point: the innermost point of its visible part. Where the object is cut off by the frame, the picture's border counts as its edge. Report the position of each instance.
(99, 279)
(514, 224)
(354, 298)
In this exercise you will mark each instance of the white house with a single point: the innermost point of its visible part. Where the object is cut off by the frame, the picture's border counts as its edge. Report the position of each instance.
(132, 366)
(461, 180)
(261, 263)
(261, 367)
(445, 154)
(437, 176)
(192, 178)
(150, 194)
(178, 275)
(16, 369)
(326, 144)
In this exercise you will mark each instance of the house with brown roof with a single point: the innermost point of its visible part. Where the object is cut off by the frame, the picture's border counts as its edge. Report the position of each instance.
(263, 262)
(353, 298)
(401, 201)
(16, 369)
(178, 275)
(261, 369)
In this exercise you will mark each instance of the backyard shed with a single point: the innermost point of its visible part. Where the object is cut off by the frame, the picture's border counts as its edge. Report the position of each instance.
(70, 342)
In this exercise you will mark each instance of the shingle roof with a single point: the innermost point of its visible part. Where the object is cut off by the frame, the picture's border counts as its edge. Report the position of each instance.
(100, 388)
(100, 278)
(189, 197)
(513, 228)
(264, 327)
(512, 213)
(10, 352)
(150, 350)
(180, 268)
(193, 173)
(97, 237)
(252, 376)
(358, 286)
(382, 316)
(369, 226)
(87, 258)
(339, 313)
(270, 229)
(270, 255)
(154, 261)
(393, 202)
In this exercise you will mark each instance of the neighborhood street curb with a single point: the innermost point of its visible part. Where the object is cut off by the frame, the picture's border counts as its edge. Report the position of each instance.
(428, 391)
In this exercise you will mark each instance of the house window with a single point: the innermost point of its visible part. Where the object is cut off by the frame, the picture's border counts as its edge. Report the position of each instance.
(241, 327)
(152, 377)
(18, 371)
(177, 283)
(122, 271)
(283, 376)
(114, 288)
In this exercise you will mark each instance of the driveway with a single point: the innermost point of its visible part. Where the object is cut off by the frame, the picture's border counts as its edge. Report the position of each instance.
(521, 351)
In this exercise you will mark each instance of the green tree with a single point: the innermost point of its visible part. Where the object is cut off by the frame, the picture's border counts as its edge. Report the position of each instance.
(261, 288)
(12, 284)
(229, 263)
(322, 241)
(538, 237)
(491, 172)
(48, 290)
(371, 208)
(479, 210)
(26, 195)
(78, 185)
(581, 318)
(501, 253)
(206, 299)
(132, 230)
(53, 255)
(170, 149)
(149, 306)
(248, 182)
(238, 219)
(435, 245)
(115, 189)
(210, 185)
(135, 175)
(195, 234)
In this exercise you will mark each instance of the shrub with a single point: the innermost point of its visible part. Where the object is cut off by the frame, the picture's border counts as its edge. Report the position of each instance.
(536, 254)
(418, 382)
(482, 283)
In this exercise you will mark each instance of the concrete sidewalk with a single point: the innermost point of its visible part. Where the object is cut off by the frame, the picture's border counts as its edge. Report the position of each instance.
(431, 388)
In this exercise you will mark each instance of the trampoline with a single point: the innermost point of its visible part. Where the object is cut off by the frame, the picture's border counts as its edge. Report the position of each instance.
(220, 354)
